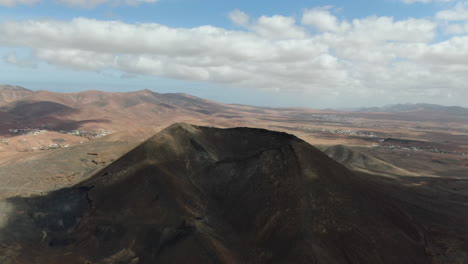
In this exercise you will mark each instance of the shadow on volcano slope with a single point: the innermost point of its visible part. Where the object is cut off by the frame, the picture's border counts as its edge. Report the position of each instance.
(204, 195)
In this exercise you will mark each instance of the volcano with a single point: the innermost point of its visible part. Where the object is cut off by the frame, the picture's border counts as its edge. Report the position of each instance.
(195, 194)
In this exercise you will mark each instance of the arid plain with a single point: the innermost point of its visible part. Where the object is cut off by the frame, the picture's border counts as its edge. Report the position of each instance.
(423, 139)
(416, 156)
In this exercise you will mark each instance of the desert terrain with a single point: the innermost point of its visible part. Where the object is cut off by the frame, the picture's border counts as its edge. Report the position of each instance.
(398, 178)
(426, 139)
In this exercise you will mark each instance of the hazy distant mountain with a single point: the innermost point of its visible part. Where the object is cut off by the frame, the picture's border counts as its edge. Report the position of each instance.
(204, 195)
(49, 118)
(10, 93)
(6, 87)
(396, 108)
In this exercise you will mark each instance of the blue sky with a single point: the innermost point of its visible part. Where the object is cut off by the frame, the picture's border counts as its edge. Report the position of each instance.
(189, 13)
(276, 53)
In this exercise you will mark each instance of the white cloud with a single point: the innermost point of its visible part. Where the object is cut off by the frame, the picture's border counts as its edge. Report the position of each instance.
(385, 28)
(458, 13)
(455, 20)
(76, 59)
(278, 27)
(12, 58)
(373, 58)
(240, 18)
(275, 27)
(323, 20)
(447, 53)
(11, 3)
(370, 28)
(457, 29)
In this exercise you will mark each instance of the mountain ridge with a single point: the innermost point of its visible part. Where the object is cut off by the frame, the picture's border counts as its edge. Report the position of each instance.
(7, 87)
(396, 108)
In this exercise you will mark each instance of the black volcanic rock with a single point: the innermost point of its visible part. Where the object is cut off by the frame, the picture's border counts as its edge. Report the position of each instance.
(204, 195)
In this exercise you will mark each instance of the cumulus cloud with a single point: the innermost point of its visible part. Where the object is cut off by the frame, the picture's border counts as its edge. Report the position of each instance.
(323, 20)
(240, 18)
(375, 58)
(457, 29)
(454, 20)
(458, 13)
(278, 27)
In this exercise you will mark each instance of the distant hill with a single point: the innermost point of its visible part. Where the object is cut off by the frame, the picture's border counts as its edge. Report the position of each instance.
(93, 110)
(91, 114)
(10, 93)
(397, 108)
(357, 160)
(6, 87)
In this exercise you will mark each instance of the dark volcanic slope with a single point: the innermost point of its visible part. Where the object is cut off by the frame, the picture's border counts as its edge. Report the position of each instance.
(204, 195)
